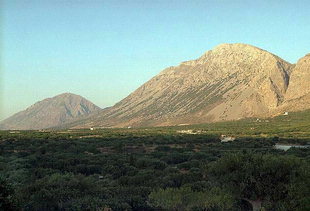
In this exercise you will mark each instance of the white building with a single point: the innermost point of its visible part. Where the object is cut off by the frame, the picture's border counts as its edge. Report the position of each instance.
(225, 138)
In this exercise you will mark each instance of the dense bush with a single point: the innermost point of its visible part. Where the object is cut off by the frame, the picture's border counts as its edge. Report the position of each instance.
(145, 170)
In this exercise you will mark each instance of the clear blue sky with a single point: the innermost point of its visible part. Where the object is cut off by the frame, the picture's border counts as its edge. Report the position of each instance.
(104, 50)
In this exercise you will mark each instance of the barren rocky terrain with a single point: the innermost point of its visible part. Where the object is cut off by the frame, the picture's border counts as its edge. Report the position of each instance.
(229, 82)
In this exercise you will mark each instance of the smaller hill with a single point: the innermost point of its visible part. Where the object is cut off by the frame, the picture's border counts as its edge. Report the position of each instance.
(50, 112)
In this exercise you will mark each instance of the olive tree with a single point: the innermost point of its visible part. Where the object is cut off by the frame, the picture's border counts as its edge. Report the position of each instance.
(185, 198)
(6, 195)
(260, 179)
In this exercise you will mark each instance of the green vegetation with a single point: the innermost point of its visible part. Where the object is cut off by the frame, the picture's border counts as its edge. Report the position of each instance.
(6, 195)
(172, 168)
(187, 198)
(266, 179)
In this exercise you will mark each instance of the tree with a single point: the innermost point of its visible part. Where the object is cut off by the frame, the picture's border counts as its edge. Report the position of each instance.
(258, 178)
(185, 198)
(6, 195)
(59, 191)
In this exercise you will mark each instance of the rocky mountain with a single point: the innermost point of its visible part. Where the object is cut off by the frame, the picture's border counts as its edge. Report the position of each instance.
(298, 93)
(229, 82)
(50, 112)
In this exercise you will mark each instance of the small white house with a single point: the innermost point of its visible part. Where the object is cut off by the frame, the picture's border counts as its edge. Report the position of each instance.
(225, 138)
(14, 131)
(285, 113)
(91, 128)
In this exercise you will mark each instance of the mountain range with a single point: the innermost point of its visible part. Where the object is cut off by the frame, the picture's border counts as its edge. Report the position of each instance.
(229, 82)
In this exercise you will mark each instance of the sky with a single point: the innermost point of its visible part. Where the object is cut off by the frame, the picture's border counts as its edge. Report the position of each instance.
(105, 49)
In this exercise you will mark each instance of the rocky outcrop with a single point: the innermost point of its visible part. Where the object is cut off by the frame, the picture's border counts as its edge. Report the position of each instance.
(297, 97)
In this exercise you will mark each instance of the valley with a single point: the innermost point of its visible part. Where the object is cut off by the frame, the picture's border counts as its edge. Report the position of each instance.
(113, 105)
(140, 168)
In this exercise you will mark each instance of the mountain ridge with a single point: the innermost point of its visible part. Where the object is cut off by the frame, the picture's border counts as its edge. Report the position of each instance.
(228, 82)
(260, 91)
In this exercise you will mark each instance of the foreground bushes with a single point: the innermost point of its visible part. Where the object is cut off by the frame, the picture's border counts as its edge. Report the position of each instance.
(151, 173)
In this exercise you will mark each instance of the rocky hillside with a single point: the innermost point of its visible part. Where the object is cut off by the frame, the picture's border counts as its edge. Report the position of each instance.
(229, 82)
(298, 94)
(50, 112)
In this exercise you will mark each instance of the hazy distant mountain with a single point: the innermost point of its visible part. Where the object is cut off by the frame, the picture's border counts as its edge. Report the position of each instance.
(230, 82)
(50, 112)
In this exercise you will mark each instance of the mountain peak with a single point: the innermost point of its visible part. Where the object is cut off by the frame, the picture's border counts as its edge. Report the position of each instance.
(299, 82)
(50, 112)
(306, 58)
(67, 95)
(229, 82)
(228, 51)
(234, 46)
(229, 48)
(235, 54)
